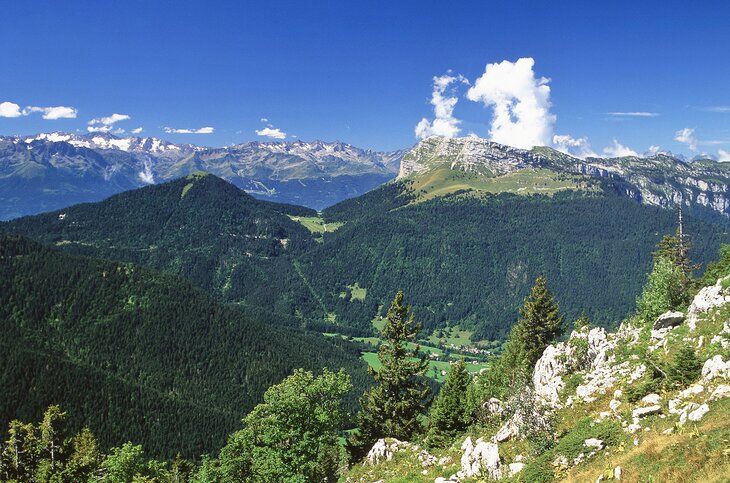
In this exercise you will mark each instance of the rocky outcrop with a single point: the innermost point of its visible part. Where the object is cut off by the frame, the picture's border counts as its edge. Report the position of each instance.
(714, 368)
(646, 411)
(481, 459)
(384, 449)
(721, 392)
(509, 430)
(707, 298)
(583, 350)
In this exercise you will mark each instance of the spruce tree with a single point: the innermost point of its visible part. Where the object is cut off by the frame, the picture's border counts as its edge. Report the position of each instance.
(450, 412)
(685, 367)
(539, 324)
(392, 407)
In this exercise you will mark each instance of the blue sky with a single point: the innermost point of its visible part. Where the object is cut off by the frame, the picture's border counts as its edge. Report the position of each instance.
(363, 72)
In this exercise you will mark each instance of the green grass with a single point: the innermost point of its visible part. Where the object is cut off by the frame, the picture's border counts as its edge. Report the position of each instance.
(372, 359)
(185, 190)
(316, 224)
(378, 323)
(452, 335)
(355, 292)
(699, 452)
(437, 370)
(445, 181)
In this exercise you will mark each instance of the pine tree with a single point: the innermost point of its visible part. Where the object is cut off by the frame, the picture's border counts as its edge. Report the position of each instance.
(450, 412)
(539, 324)
(685, 368)
(20, 455)
(51, 435)
(392, 407)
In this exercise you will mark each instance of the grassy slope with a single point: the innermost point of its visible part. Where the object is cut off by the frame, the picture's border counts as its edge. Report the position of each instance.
(316, 224)
(695, 452)
(443, 181)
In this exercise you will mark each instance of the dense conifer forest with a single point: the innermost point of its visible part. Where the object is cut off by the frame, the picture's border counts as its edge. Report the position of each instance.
(139, 355)
(467, 261)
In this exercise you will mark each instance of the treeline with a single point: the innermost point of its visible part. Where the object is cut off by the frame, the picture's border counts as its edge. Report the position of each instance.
(138, 355)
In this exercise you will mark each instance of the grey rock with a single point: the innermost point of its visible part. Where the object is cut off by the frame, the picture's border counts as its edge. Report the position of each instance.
(668, 319)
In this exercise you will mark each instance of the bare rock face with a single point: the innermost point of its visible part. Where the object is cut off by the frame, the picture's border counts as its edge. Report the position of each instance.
(668, 320)
(714, 368)
(563, 358)
(384, 449)
(593, 443)
(481, 459)
(698, 413)
(707, 298)
(493, 407)
(651, 399)
(509, 430)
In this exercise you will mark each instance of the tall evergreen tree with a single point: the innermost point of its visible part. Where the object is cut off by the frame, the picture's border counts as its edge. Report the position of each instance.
(539, 324)
(675, 249)
(450, 412)
(392, 407)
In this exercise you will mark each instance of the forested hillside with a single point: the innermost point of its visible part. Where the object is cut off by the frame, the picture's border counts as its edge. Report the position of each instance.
(200, 227)
(137, 355)
(469, 260)
(465, 259)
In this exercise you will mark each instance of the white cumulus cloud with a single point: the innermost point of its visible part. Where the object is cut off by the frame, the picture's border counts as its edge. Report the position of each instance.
(444, 124)
(723, 156)
(578, 147)
(202, 130)
(59, 112)
(105, 124)
(10, 109)
(136, 130)
(271, 132)
(520, 101)
(617, 150)
(687, 136)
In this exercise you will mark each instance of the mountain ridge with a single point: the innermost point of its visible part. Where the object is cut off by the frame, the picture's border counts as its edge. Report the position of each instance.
(661, 179)
(51, 170)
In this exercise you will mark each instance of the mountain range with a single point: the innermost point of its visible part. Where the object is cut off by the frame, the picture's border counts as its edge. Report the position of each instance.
(52, 170)
(48, 171)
